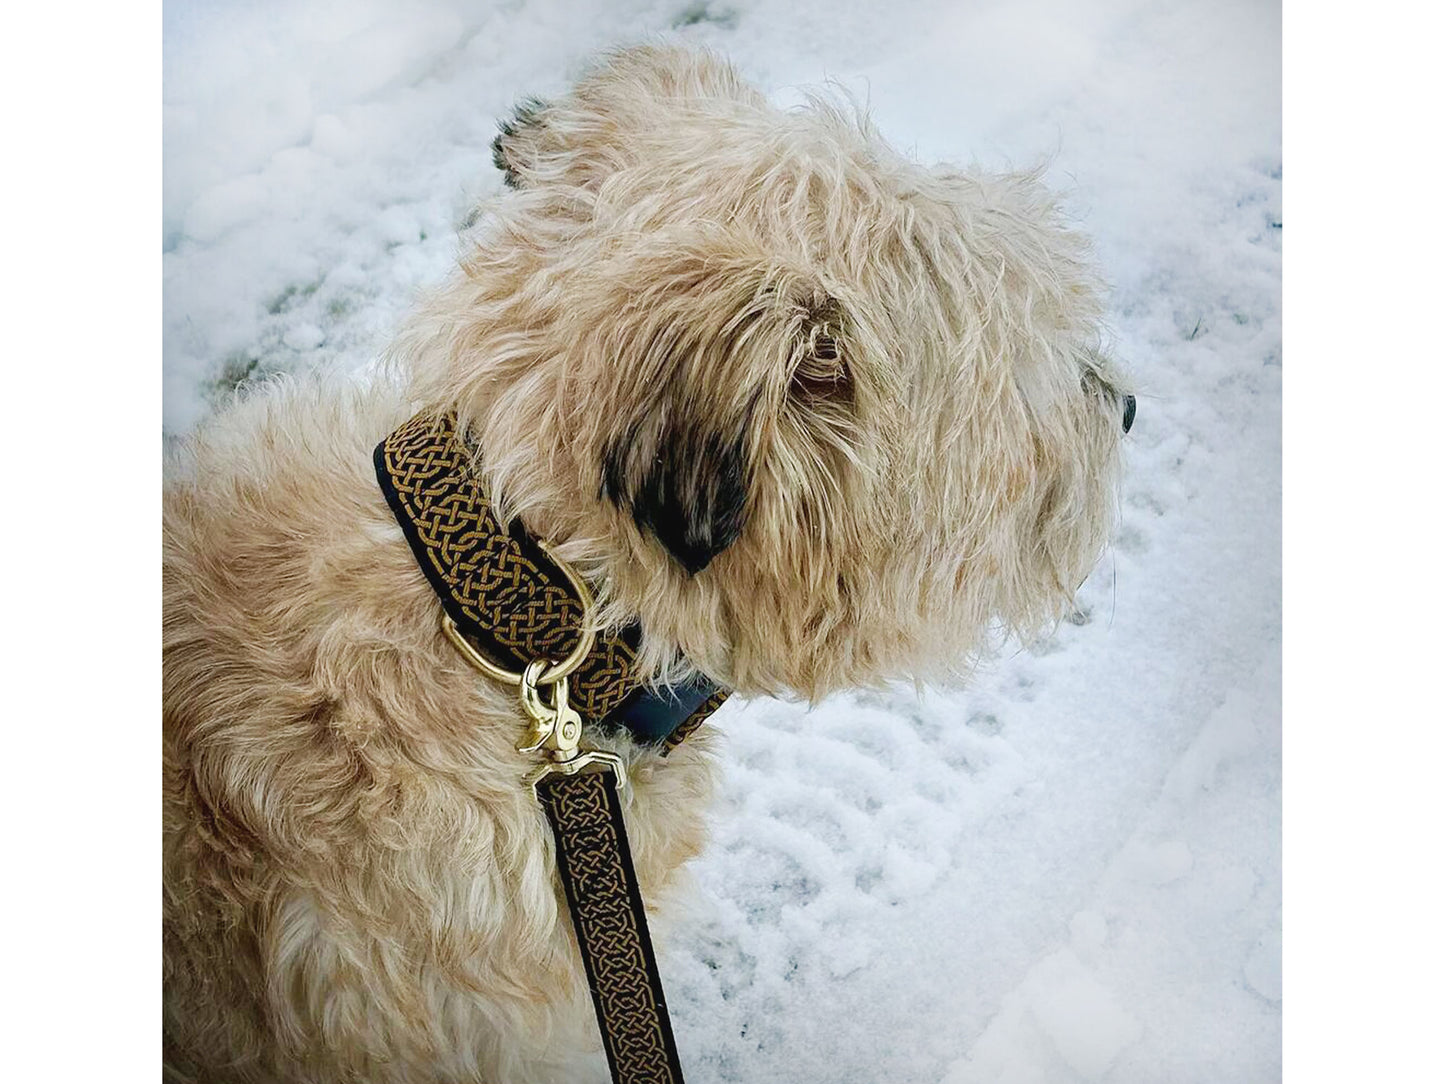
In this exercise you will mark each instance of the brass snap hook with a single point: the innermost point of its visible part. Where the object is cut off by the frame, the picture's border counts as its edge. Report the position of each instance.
(556, 727)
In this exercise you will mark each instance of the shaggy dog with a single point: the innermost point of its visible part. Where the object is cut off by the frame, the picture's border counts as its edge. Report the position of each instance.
(814, 415)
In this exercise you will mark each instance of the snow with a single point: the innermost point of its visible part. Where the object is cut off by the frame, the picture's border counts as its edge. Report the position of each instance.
(1071, 870)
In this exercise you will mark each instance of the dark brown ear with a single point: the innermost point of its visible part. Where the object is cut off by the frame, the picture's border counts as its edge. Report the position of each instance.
(705, 394)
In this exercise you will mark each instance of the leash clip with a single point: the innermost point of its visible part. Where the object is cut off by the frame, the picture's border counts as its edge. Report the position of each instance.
(556, 729)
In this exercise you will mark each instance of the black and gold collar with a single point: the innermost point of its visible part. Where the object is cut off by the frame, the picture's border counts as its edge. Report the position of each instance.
(509, 597)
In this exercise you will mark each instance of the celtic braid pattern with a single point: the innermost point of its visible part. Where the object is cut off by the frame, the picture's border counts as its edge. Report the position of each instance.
(689, 726)
(497, 586)
(596, 867)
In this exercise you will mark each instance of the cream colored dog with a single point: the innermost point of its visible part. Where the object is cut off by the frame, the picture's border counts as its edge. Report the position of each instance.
(817, 416)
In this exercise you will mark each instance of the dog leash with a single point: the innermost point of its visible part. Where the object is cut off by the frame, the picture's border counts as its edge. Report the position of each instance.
(602, 894)
(504, 591)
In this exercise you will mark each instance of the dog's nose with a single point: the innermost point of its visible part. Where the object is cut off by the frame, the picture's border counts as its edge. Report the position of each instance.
(1128, 412)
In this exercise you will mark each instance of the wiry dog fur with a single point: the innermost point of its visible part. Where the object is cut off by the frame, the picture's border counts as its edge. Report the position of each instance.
(817, 416)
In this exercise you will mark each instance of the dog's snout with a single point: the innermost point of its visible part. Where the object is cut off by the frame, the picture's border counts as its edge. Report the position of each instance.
(1128, 412)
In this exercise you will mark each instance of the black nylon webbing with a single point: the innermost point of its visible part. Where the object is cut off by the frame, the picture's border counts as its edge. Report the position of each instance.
(595, 863)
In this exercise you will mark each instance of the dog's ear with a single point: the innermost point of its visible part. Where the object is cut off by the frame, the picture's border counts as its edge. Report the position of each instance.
(516, 139)
(723, 354)
(820, 378)
(585, 135)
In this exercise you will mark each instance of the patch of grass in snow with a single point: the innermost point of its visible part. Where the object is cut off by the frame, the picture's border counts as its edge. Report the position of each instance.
(238, 370)
(694, 14)
(290, 297)
(235, 371)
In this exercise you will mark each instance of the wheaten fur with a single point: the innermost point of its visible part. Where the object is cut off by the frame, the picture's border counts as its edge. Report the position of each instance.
(876, 390)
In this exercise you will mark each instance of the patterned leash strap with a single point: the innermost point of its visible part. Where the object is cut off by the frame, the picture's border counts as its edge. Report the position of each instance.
(596, 867)
(501, 588)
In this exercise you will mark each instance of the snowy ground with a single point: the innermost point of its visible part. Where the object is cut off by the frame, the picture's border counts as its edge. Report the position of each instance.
(1071, 871)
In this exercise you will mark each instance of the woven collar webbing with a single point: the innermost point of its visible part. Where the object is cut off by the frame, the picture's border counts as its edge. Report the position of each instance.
(503, 592)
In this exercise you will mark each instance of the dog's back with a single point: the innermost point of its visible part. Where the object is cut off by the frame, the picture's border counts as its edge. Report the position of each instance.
(356, 885)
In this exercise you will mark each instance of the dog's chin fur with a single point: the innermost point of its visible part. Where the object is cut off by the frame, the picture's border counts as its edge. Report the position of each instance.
(817, 416)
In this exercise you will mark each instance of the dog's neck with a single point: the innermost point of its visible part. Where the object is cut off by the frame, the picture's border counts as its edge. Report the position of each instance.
(507, 595)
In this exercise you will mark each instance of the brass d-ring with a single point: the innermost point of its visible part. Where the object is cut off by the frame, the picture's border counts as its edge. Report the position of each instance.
(556, 671)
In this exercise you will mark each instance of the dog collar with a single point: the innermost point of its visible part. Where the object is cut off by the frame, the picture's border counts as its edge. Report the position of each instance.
(505, 594)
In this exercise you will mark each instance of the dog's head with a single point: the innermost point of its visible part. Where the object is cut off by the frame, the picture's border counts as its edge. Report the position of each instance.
(818, 415)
